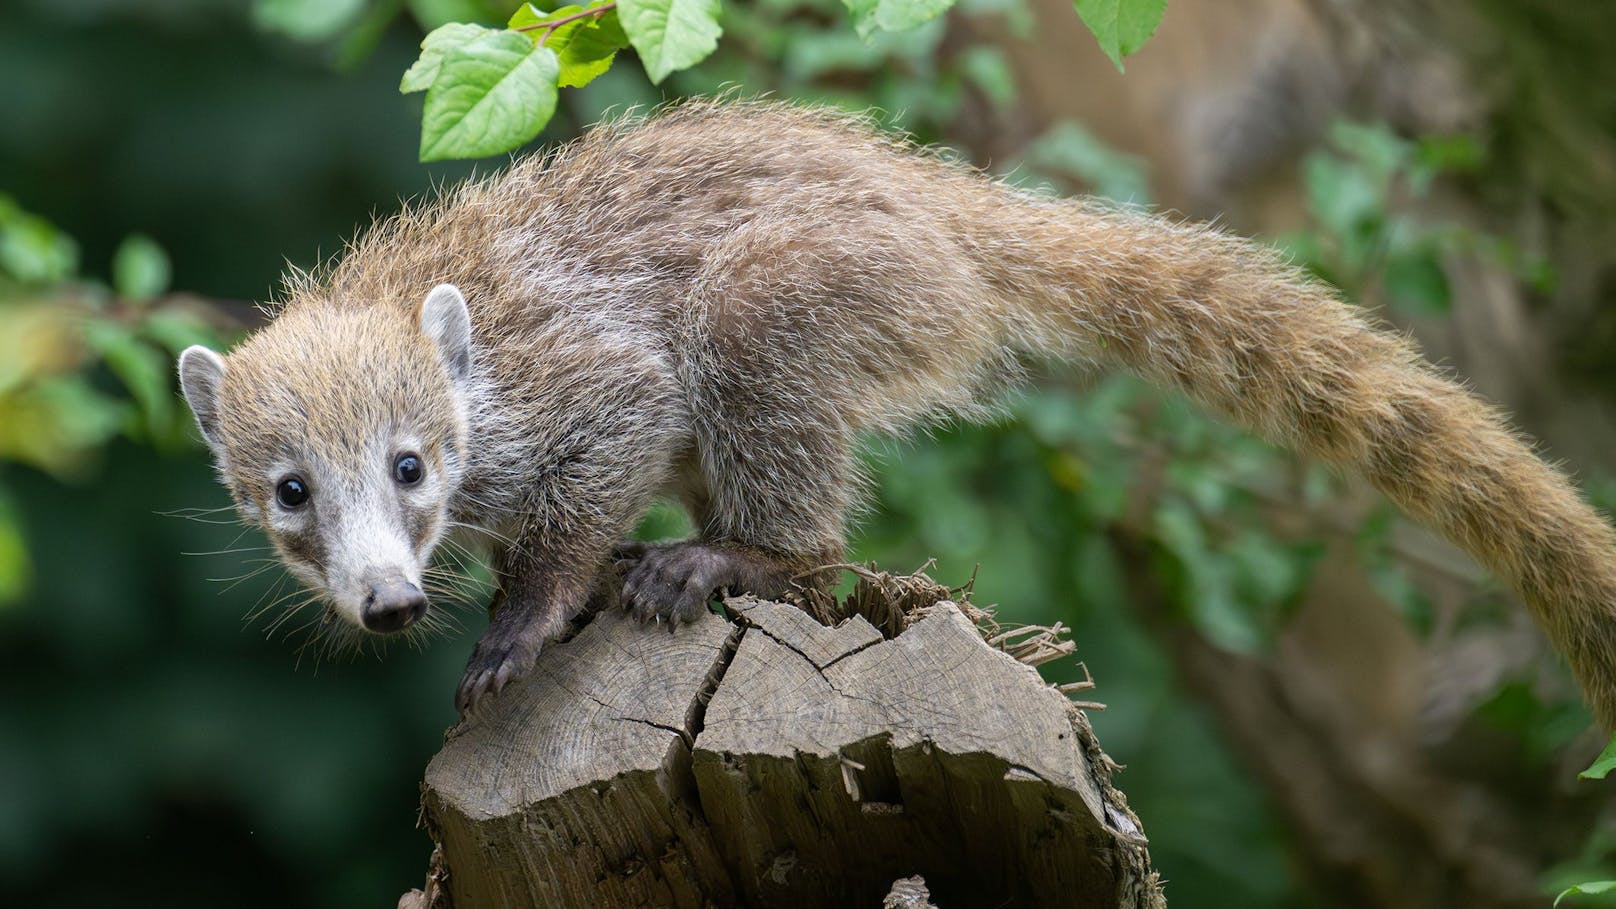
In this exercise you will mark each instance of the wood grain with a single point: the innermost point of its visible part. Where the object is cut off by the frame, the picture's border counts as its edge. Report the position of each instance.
(778, 762)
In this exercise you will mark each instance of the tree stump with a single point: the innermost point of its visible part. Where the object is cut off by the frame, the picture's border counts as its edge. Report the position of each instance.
(770, 760)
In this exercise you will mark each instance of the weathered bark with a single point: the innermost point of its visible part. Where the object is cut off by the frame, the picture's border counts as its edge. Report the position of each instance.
(776, 761)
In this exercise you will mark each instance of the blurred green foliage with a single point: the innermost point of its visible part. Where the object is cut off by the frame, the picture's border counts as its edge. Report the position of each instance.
(1363, 239)
(187, 763)
(61, 338)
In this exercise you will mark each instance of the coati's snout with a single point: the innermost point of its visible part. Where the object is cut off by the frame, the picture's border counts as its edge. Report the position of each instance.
(341, 432)
(392, 605)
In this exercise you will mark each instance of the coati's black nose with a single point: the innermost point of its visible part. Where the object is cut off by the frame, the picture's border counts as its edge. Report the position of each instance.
(392, 606)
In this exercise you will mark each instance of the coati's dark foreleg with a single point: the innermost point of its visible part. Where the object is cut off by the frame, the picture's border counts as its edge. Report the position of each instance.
(590, 483)
(539, 593)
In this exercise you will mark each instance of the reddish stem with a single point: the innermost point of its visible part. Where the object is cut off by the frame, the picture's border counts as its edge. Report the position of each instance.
(551, 26)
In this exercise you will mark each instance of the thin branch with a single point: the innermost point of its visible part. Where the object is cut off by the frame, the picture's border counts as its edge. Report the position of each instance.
(553, 24)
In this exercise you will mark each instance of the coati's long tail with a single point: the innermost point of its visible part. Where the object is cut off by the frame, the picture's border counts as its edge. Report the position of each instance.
(1244, 333)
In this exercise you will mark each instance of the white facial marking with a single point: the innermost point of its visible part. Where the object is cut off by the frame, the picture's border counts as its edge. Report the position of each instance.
(359, 514)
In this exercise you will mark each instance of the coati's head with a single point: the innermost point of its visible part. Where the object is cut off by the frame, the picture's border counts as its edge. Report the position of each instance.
(341, 431)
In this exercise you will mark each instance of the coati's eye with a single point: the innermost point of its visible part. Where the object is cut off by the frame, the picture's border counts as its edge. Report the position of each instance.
(291, 492)
(407, 469)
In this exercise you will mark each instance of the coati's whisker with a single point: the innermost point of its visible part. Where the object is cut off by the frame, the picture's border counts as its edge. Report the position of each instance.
(271, 597)
(220, 552)
(232, 583)
(203, 515)
(288, 611)
(488, 532)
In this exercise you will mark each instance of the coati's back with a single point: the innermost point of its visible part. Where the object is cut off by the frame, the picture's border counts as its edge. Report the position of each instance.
(659, 224)
(937, 256)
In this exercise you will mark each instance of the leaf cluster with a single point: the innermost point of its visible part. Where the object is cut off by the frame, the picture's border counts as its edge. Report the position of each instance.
(1361, 189)
(82, 362)
(489, 91)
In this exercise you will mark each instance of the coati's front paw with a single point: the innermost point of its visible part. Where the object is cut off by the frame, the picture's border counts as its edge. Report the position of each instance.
(674, 581)
(501, 657)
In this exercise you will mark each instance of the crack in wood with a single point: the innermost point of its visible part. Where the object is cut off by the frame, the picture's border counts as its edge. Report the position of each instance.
(708, 768)
(696, 715)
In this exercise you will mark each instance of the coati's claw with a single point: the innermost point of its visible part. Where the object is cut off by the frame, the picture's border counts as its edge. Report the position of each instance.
(675, 581)
(498, 660)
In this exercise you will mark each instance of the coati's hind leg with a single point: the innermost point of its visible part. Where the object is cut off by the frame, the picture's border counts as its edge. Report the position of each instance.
(779, 362)
(776, 484)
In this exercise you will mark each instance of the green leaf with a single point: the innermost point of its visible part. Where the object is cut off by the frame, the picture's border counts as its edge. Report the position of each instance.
(670, 35)
(664, 522)
(306, 20)
(33, 251)
(585, 46)
(140, 268)
(438, 43)
(1591, 887)
(58, 423)
(588, 52)
(1602, 765)
(1121, 26)
(1400, 592)
(1451, 154)
(990, 71)
(1416, 284)
(177, 329)
(490, 96)
(1343, 198)
(141, 367)
(357, 46)
(1271, 574)
(527, 14)
(14, 566)
(1207, 592)
(1381, 152)
(893, 15)
(1070, 148)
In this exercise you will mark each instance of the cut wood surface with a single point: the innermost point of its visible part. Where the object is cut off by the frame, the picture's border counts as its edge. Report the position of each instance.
(769, 760)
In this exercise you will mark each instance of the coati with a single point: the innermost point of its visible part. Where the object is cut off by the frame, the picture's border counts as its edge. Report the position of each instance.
(713, 300)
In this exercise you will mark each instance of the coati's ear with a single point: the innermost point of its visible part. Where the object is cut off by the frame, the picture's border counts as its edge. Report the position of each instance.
(445, 320)
(202, 378)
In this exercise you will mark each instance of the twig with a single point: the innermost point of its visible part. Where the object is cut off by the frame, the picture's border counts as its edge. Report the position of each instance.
(553, 24)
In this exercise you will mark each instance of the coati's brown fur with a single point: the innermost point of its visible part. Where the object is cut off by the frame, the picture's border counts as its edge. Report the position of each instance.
(715, 299)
